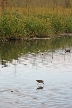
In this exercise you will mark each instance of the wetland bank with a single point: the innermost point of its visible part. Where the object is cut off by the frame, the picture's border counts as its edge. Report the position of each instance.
(24, 62)
(31, 22)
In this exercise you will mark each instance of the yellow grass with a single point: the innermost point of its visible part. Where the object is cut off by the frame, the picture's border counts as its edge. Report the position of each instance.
(40, 10)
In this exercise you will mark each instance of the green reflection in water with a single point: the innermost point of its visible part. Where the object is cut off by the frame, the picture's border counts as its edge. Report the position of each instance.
(13, 50)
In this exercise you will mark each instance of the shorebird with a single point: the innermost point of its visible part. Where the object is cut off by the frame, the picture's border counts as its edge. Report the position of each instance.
(40, 81)
(67, 50)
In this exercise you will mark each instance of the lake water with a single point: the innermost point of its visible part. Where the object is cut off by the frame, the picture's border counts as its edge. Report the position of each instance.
(22, 63)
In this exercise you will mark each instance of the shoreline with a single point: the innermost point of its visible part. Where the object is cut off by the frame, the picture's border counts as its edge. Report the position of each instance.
(37, 37)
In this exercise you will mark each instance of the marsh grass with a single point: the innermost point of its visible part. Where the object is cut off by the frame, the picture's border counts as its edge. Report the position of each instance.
(19, 23)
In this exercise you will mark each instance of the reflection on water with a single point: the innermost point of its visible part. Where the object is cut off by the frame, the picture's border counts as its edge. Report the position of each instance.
(40, 87)
(22, 63)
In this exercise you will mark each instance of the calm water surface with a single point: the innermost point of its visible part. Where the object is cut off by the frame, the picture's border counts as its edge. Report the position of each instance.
(22, 63)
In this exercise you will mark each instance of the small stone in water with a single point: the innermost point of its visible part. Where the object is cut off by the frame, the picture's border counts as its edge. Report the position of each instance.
(11, 91)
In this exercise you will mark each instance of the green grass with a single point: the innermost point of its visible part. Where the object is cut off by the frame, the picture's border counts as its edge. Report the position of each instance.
(14, 25)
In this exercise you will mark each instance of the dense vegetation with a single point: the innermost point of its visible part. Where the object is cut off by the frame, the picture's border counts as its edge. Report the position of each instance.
(35, 21)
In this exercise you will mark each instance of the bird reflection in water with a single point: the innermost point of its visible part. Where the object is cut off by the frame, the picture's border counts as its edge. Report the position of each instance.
(39, 87)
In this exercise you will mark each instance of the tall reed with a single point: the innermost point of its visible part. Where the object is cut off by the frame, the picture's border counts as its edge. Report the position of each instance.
(20, 23)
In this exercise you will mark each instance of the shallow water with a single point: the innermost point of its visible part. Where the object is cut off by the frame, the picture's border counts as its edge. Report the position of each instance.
(18, 86)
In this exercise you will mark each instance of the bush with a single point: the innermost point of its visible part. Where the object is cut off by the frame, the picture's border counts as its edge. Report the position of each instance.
(57, 24)
(15, 25)
(68, 25)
